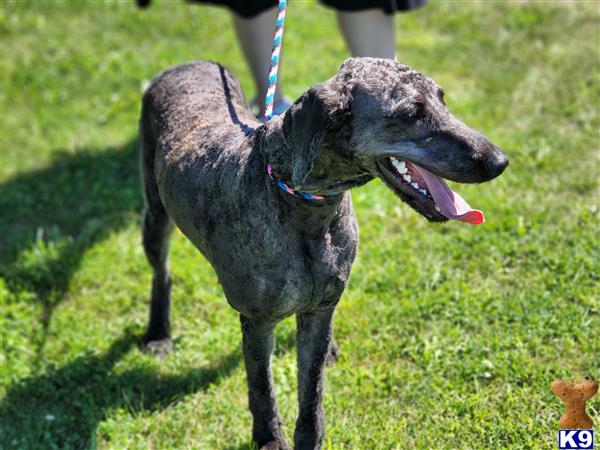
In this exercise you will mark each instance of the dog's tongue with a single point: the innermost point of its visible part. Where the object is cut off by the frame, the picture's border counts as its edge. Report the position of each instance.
(452, 205)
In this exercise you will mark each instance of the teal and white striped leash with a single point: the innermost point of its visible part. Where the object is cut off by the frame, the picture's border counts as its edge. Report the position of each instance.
(277, 41)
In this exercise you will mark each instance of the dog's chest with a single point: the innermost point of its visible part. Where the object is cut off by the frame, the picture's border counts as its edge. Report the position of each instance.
(329, 259)
(297, 271)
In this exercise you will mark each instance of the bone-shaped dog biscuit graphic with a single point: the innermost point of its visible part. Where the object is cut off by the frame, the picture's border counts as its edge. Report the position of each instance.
(574, 395)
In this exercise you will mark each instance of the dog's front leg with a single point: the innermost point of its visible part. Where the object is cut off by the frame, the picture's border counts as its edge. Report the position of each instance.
(258, 343)
(314, 334)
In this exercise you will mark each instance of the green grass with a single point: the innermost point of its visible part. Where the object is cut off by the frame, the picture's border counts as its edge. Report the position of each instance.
(450, 335)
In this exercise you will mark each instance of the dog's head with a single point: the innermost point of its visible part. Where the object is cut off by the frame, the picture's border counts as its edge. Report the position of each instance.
(377, 117)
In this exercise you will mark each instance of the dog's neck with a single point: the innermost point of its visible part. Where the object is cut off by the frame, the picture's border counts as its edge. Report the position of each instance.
(333, 171)
(275, 149)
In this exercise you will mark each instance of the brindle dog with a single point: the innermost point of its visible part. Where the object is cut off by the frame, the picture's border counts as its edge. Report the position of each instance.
(204, 159)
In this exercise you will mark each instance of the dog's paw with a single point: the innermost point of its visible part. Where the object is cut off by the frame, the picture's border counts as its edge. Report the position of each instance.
(276, 445)
(160, 349)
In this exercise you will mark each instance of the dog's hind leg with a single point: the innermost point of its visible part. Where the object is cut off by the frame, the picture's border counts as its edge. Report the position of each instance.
(156, 231)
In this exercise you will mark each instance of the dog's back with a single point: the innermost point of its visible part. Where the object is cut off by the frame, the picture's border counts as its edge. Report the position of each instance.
(201, 97)
(195, 126)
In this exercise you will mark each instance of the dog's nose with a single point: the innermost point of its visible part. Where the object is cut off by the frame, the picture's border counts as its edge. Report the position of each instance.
(495, 163)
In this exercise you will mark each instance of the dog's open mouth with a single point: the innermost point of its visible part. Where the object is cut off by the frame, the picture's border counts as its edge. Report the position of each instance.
(426, 193)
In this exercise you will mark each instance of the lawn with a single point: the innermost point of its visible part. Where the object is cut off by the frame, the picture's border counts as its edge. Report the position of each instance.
(450, 335)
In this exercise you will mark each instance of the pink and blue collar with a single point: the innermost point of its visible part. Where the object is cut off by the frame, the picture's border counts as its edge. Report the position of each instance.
(289, 190)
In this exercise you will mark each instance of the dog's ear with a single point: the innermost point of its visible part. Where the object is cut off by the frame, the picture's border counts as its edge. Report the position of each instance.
(323, 108)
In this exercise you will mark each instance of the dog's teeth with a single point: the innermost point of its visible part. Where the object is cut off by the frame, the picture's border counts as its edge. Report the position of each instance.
(437, 208)
(415, 185)
(423, 191)
(400, 166)
(407, 178)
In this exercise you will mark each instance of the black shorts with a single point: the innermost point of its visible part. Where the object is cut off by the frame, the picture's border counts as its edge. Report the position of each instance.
(249, 8)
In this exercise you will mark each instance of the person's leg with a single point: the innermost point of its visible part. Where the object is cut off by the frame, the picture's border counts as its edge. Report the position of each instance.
(369, 32)
(255, 35)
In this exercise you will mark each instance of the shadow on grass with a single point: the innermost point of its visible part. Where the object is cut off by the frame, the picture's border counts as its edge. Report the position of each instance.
(62, 408)
(50, 217)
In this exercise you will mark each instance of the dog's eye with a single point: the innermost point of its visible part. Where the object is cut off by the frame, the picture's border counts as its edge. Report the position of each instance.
(408, 112)
(416, 111)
